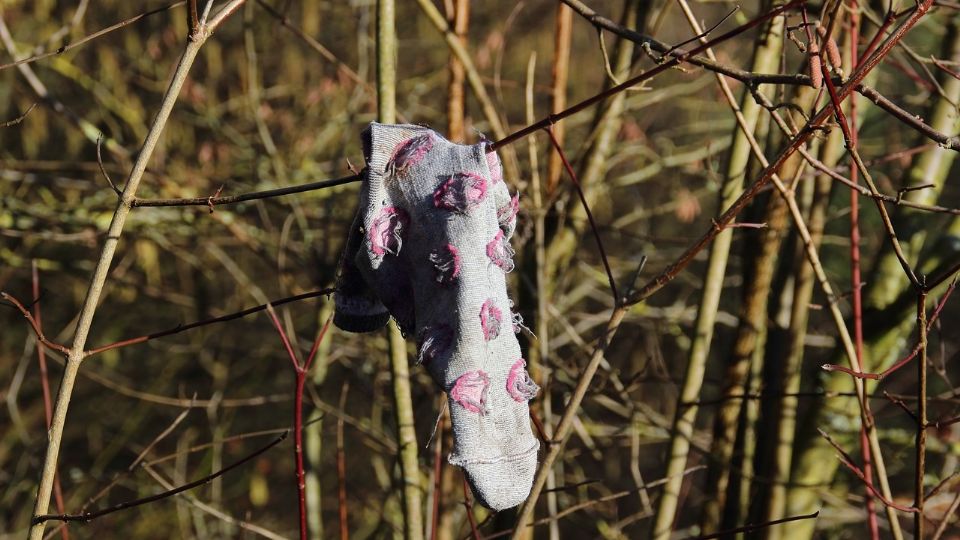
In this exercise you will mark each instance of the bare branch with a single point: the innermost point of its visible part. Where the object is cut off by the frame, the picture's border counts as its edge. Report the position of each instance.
(89, 516)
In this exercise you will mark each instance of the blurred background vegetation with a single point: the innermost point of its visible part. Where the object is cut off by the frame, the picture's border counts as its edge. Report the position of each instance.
(264, 108)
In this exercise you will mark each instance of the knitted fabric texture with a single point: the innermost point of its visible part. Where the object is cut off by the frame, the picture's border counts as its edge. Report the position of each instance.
(430, 247)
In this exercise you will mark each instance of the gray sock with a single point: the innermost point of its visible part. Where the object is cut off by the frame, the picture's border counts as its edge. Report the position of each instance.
(430, 246)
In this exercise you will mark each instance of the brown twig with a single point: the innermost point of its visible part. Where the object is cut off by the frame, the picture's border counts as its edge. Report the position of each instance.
(764, 178)
(193, 19)
(905, 360)
(674, 269)
(754, 80)
(184, 327)
(207, 201)
(921, 439)
(679, 57)
(37, 330)
(93, 36)
(757, 526)
(848, 462)
(103, 170)
(20, 118)
(468, 507)
(586, 208)
(592, 502)
(89, 516)
(900, 403)
(315, 45)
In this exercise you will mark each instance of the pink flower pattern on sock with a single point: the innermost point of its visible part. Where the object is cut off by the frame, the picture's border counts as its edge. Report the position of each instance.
(461, 193)
(409, 153)
(500, 252)
(490, 318)
(386, 231)
(519, 384)
(470, 391)
(506, 214)
(493, 163)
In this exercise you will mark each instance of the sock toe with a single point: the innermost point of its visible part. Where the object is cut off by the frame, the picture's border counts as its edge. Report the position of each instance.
(503, 483)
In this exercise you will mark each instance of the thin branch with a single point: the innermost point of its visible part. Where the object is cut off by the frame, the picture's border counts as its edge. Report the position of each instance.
(103, 170)
(679, 57)
(703, 34)
(92, 36)
(193, 19)
(920, 446)
(905, 360)
(102, 270)
(618, 314)
(767, 174)
(315, 45)
(184, 327)
(468, 507)
(848, 462)
(37, 330)
(342, 467)
(593, 502)
(586, 208)
(215, 201)
(20, 118)
(757, 527)
(89, 516)
(754, 80)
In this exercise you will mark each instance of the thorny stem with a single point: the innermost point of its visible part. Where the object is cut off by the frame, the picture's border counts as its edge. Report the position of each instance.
(101, 272)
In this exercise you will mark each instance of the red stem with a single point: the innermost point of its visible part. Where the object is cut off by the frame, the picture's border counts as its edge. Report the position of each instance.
(45, 386)
(913, 354)
(855, 277)
(41, 351)
(300, 369)
(468, 505)
(298, 452)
